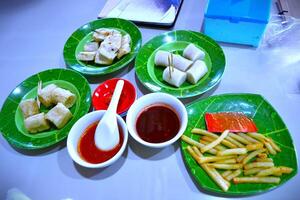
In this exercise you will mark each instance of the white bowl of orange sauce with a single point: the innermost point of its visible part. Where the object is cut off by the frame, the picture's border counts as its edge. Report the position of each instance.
(81, 144)
(157, 120)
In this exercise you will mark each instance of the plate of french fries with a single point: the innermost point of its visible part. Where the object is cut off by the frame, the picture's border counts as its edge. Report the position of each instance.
(238, 163)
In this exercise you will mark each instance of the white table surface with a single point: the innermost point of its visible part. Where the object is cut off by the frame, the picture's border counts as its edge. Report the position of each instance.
(32, 36)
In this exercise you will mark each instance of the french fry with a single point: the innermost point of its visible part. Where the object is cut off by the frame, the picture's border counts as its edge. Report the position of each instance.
(197, 144)
(224, 142)
(193, 154)
(233, 141)
(239, 138)
(262, 155)
(257, 136)
(232, 152)
(211, 136)
(250, 139)
(264, 160)
(215, 143)
(241, 158)
(233, 175)
(252, 155)
(229, 161)
(214, 158)
(285, 170)
(275, 180)
(197, 151)
(259, 164)
(270, 148)
(251, 147)
(275, 146)
(219, 180)
(269, 171)
(252, 171)
(226, 173)
(225, 166)
(218, 147)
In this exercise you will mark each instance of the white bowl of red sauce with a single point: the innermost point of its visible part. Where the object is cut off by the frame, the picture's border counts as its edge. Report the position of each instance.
(157, 120)
(81, 144)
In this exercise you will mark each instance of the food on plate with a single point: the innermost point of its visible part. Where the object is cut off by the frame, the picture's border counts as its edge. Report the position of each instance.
(193, 53)
(45, 95)
(179, 69)
(248, 164)
(60, 95)
(161, 58)
(174, 76)
(107, 45)
(91, 46)
(29, 107)
(36, 123)
(157, 123)
(125, 46)
(232, 121)
(196, 71)
(86, 56)
(59, 115)
(88, 150)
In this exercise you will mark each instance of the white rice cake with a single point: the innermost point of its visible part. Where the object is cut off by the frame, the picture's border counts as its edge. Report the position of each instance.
(59, 115)
(29, 107)
(36, 123)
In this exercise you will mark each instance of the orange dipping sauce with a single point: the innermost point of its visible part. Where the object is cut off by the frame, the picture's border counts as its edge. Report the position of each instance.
(88, 150)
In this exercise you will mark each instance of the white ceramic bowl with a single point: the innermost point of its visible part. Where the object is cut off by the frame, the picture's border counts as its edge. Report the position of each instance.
(150, 99)
(78, 129)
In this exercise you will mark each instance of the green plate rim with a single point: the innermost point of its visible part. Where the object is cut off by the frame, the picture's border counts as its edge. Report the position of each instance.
(150, 84)
(12, 99)
(75, 38)
(230, 193)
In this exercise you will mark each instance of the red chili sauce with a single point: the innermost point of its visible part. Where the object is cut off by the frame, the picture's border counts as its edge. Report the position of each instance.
(88, 150)
(157, 123)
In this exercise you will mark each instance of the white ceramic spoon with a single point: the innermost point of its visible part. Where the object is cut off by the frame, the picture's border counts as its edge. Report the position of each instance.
(107, 132)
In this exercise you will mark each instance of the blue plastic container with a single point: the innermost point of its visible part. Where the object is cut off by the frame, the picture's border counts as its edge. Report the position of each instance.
(237, 21)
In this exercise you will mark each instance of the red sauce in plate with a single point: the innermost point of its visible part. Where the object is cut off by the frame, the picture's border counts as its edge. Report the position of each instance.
(88, 150)
(157, 123)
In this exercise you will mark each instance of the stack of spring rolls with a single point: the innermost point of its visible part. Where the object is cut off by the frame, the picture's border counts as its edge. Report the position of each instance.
(59, 115)
(188, 67)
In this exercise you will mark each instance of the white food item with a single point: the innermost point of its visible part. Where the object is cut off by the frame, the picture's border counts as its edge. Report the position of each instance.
(29, 107)
(91, 46)
(114, 40)
(161, 58)
(177, 77)
(181, 63)
(86, 56)
(59, 115)
(197, 71)
(99, 59)
(125, 46)
(63, 96)
(107, 51)
(45, 96)
(36, 123)
(193, 53)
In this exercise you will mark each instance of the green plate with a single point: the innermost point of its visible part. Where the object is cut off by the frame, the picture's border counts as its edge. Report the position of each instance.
(84, 34)
(175, 41)
(268, 123)
(11, 118)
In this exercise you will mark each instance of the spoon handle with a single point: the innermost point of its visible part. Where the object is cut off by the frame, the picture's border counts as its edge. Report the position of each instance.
(112, 108)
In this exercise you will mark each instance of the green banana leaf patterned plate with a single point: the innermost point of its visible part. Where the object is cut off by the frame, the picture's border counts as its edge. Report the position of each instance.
(11, 117)
(84, 34)
(268, 123)
(175, 41)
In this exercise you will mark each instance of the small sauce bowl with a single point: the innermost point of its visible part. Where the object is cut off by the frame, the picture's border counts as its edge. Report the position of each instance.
(79, 128)
(152, 99)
